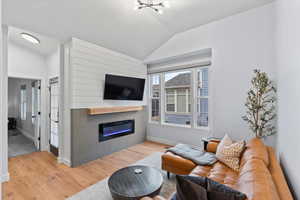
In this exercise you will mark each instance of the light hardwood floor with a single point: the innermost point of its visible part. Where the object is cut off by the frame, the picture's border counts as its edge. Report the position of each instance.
(37, 176)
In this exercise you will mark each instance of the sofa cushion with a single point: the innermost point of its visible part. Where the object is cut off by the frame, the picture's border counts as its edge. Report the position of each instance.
(219, 173)
(256, 181)
(229, 152)
(255, 149)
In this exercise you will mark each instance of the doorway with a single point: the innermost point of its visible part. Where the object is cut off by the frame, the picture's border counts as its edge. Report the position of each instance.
(24, 113)
(54, 115)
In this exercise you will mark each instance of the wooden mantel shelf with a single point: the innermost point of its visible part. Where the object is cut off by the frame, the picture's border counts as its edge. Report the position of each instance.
(118, 109)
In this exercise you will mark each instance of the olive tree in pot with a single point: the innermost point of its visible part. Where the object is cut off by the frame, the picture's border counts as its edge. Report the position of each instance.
(261, 105)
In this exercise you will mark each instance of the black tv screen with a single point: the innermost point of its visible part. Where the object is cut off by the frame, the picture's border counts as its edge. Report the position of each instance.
(123, 88)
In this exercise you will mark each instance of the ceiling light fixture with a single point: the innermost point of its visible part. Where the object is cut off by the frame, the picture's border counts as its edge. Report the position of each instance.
(152, 4)
(30, 38)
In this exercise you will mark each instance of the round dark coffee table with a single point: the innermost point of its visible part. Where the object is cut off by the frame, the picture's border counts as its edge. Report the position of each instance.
(135, 182)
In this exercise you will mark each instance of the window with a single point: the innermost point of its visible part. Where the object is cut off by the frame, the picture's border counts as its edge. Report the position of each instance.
(180, 105)
(202, 98)
(23, 102)
(155, 97)
(177, 101)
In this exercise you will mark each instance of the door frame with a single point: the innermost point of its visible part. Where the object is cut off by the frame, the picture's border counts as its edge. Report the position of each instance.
(44, 145)
(3, 100)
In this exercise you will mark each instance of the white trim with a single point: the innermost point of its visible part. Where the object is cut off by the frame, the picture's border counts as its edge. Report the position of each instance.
(4, 178)
(161, 140)
(65, 111)
(202, 52)
(2, 159)
(26, 134)
(64, 161)
(3, 105)
(176, 125)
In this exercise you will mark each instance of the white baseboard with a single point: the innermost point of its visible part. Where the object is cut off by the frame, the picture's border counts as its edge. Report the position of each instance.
(4, 178)
(64, 161)
(161, 140)
(27, 134)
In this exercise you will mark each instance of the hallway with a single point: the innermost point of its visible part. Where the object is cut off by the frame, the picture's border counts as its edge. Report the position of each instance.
(18, 144)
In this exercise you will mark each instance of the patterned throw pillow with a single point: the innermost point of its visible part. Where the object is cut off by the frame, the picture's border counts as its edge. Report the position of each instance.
(229, 152)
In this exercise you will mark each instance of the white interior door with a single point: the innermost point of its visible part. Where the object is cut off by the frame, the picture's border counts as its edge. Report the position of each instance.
(54, 116)
(36, 112)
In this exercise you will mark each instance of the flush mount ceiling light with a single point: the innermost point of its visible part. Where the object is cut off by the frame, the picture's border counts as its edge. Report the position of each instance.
(156, 5)
(30, 38)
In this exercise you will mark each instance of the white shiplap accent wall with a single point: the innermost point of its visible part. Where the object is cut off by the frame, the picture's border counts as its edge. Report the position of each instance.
(88, 66)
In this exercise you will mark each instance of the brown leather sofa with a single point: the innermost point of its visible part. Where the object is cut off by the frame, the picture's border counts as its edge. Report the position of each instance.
(260, 176)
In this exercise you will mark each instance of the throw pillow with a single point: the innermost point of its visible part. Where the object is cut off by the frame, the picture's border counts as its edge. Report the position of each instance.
(189, 187)
(229, 152)
(219, 191)
(203, 188)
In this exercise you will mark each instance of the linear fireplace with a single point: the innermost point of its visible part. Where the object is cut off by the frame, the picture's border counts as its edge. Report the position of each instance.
(112, 130)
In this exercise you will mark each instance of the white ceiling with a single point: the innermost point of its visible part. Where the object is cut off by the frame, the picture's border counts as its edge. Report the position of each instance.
(114, 24)
(46, 47)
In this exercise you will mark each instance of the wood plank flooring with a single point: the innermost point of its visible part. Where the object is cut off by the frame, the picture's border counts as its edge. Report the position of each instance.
(37, 176)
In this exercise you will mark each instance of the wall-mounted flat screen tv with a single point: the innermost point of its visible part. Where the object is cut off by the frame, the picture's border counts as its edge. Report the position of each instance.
(123, 88)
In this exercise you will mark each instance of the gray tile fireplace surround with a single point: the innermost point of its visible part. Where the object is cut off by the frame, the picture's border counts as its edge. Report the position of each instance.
(85, 145)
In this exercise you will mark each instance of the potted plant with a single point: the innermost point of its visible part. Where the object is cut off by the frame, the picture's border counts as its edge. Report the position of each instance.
(261, 105)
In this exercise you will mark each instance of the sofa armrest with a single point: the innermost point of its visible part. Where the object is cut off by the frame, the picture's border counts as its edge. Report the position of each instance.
(212, 146)
(176, 164)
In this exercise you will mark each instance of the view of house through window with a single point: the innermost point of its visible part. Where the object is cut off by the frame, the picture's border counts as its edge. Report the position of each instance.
(178, 99)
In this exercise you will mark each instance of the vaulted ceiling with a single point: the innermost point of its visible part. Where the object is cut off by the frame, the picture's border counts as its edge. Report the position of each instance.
(114, 24)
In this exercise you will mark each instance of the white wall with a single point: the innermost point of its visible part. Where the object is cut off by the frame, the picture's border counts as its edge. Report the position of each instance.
(53, 63)
(239, 44)
(89, 64)
(24, 62)
(288, 49)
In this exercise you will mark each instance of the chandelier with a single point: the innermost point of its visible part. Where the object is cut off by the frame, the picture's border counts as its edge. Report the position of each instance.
(156, 5)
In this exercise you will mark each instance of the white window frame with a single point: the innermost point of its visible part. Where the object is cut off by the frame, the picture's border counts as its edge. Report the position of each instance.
(197, 97)
(194, 97)
(151, 97)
